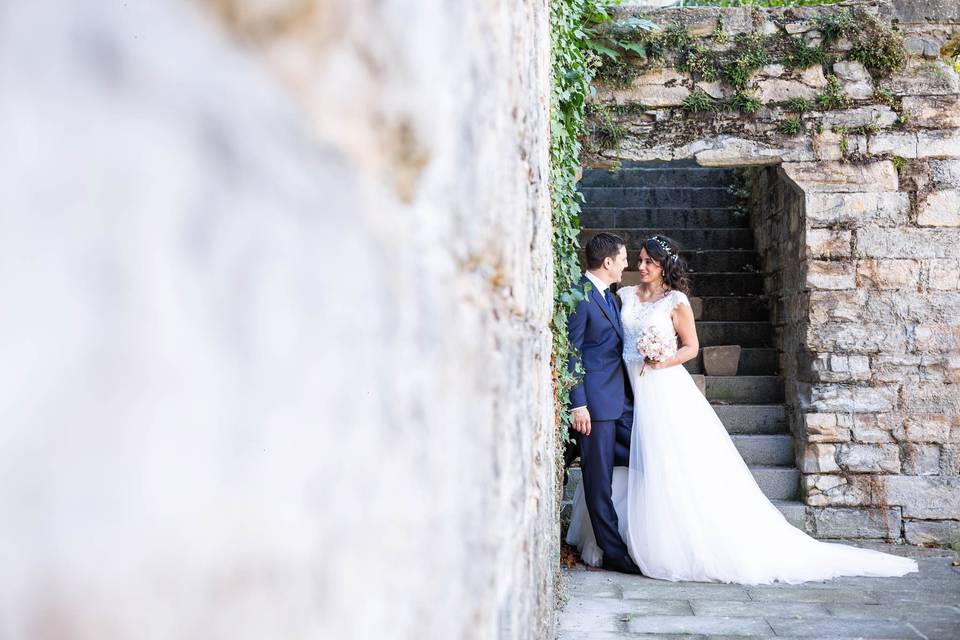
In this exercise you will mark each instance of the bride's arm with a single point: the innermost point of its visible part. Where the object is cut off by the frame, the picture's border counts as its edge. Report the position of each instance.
(682, 317)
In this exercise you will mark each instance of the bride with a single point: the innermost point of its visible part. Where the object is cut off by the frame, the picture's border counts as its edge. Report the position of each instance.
(688, 506)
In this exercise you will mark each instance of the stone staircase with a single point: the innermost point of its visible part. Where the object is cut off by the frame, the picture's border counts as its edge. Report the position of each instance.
(697, 207)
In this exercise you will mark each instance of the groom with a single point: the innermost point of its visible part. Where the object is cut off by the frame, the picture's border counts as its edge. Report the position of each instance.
(601, 408)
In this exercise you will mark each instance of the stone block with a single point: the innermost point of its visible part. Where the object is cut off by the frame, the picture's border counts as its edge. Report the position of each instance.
(879, 115)
(834, 490)
(852, 336)
(907, 243)
(938, 144)
(926, 497)
(923, 78)
(696, 305)
(730, 151)
(943, 275)
(783, 89)
(950, 460)
(927, 533)
(828, 397)
(838, 522)
(656, 88)
(888, 274)
(819, 458)
(857, 209)
(856, 81)
(826, 274)
(936, 112)
(825, 428)
(872, 427)
(843, 177)
(940, 209)
(944, 174)
(869, 458)
(895, 143)
(931, 397)
(716, 90)
(828, 243)
(921, 459)
(721, 360)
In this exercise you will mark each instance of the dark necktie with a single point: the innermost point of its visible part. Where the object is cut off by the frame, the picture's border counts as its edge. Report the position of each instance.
(611, 306)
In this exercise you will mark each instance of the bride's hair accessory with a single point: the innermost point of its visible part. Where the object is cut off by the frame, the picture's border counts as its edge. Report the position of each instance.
(666, 248)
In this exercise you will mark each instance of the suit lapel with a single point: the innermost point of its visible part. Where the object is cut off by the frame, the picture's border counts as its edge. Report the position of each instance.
(601, 303)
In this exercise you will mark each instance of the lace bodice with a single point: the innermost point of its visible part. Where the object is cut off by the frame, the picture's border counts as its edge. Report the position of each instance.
(637, 316)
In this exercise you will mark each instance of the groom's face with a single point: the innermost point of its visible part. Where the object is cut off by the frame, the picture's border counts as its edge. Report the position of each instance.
(617, 264)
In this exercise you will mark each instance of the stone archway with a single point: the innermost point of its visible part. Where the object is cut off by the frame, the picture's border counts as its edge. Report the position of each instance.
(855, 211)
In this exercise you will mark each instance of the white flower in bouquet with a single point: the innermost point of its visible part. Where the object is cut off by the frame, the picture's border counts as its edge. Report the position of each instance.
(656, 345)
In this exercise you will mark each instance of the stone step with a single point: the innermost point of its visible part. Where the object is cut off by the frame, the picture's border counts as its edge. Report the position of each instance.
(769, 450)
(743, 308)
(658, 177)
(773, 486)
(746, 334)
(658, 197)
(743, 389)
(794, 511)
(721, 260)
(712, 284)
(753, 362)
(688, 239)
(622, 218)
(752, 418)
(777, 483)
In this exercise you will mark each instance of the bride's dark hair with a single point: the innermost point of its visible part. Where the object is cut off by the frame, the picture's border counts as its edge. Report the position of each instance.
(666, 253)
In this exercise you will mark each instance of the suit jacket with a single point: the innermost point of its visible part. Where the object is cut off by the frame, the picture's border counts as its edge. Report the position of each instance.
(596, 335)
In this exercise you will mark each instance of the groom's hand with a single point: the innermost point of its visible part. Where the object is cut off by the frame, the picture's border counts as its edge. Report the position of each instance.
(581, 420)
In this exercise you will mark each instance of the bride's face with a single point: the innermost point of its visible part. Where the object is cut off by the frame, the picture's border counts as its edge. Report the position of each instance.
(649, 270)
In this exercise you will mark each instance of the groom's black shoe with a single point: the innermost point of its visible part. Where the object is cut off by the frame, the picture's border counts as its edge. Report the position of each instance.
(623, 565)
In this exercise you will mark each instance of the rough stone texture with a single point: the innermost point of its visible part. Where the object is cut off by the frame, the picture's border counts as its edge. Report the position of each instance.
(833, 522)
(276, 347)
(932, 532)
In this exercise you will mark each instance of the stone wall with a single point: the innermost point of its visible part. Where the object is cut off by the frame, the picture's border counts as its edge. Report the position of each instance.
(857, 214)
(276, 348)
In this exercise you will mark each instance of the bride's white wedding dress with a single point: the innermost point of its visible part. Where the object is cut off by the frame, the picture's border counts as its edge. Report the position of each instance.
(688, 506)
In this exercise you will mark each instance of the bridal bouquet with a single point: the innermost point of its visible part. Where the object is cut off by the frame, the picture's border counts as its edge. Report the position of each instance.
(656, 345)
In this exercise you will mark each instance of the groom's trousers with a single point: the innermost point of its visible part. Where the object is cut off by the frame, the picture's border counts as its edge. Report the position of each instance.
(607, 446)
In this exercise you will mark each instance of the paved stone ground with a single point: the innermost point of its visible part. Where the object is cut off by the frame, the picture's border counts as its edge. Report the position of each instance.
(603, 605)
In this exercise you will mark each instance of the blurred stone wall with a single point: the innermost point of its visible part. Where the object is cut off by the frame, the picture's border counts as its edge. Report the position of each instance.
(857, 216)
(278, 280)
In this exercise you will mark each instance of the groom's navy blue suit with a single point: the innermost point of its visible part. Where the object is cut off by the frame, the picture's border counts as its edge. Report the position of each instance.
(596, 334)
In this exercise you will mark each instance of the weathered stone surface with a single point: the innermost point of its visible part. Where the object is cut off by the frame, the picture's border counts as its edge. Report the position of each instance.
(825, 428)
(869, 458)
(950, 460)
(931, 533)
(842, 177)
(730, 151)
(856, 81)
(828, 243)
(923, 78)
(819, 458)
(931, 397)
(823, 490)
(828, 274)
(888, 274)
(888, 209)
(937, 112)
(898, 143)
(930, 497)
(722, 360)
(942, 275)
(834, 522)
(872, 427)
(654, 88)
(921, 459)
(938, 144)
(940, 209)
(924, 428)
(836, 398)
(907, 243)
(878, 115)
(855, 336)
(187, 189)
(783, 89)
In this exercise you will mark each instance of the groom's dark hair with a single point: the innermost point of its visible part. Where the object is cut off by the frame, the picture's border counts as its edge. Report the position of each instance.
(602, 246)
